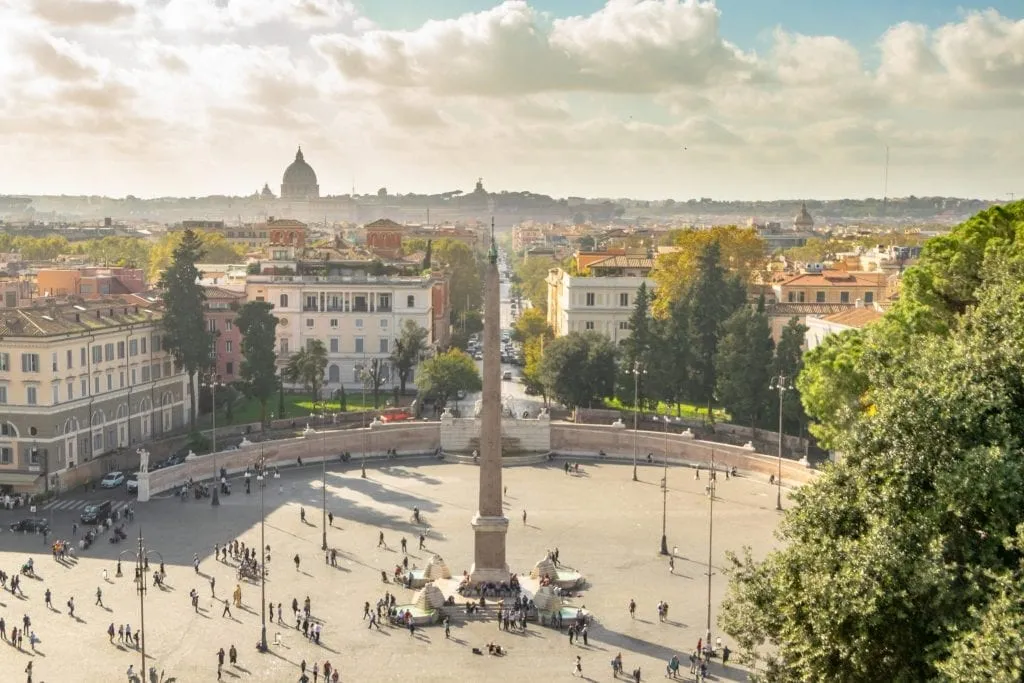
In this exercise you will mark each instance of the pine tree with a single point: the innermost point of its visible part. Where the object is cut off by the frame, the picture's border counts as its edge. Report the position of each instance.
(743, 366)
(185, 334)
(258, 328)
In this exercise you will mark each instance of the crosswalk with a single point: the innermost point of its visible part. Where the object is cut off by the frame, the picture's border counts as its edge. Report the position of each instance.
(78, 504)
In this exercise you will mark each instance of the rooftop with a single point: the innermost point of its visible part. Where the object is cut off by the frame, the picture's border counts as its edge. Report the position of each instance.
(855, 317)
(624, 261)
(49, 317)
(835, 278)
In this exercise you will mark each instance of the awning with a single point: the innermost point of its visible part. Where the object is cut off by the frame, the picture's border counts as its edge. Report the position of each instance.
(19, 478)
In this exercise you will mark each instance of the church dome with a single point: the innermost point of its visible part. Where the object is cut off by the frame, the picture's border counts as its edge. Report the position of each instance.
(299, 181)
(803, 219)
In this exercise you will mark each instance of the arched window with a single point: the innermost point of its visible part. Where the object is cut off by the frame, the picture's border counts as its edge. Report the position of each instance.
(284, 301)
(333, 374)
(8, 429)
(98, 418)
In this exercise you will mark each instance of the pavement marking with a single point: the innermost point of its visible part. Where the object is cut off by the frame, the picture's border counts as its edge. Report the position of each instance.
(78, 504)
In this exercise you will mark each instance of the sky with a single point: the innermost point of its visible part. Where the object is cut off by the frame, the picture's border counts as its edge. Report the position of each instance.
(734, 99)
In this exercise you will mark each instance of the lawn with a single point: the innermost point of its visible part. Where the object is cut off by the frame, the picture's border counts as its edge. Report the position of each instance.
(686, 410)
(247, 410)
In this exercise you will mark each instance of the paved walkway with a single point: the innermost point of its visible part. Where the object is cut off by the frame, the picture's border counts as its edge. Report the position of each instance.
(604, 524)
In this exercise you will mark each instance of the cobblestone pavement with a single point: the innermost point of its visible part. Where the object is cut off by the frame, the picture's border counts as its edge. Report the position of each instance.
(604, 524)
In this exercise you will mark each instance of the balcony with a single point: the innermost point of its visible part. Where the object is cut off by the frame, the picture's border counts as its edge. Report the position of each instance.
(383, 309)
(310, 308)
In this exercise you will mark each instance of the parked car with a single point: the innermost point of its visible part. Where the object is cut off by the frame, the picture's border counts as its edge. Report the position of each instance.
(112, 480)
(31, 524)
(96, 512)
(131, 484)
(506, 376)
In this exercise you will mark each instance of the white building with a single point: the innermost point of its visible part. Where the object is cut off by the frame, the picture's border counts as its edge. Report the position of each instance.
(819, 327)
(358, 317)
(601, 302)
(80, 380)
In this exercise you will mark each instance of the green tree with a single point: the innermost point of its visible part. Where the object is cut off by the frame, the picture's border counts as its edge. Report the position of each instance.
(834, 385)
(743, 365)
(532, 274)
(914, 533)
(638, 346)
(258, 327)
(373, 375)
(668, 376)
(579, 368)
(185, 334)
(409, 349)
(712, 298)
(464, 273)
(532, 323)
(448, 373)
(215, 248)
(533, 354)
(306, 367)
(789, 363)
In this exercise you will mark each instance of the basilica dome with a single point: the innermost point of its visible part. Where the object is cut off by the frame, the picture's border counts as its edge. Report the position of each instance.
(299, 181)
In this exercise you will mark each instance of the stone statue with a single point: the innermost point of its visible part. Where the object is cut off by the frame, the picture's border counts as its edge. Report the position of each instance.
(143, 460)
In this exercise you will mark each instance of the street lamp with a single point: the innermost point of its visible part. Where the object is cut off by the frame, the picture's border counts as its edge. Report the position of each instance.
(215, 498)
(711, 519)
(637, 369)
(664, 495)
(262, 483)
(782, 384)
(141, 564)
(323, 463)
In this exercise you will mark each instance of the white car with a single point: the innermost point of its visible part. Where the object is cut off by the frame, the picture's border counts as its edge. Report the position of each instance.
(131, 484)
(112, 480)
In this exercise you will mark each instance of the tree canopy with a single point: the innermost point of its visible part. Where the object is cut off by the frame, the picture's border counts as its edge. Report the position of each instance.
(448, 373)
(579, 368)
(409, 348)
(906, 556)
(258, 327)
(306, 367)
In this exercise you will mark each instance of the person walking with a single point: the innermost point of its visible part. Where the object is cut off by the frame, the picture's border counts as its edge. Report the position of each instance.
(111, 632)
(195, 562)
(302, 515)
(632, 609)
(330, 519)
(578, 669)
(47, 598)
(220, 662)
(380, 541)
(71, 607)
(296, 560)
(213, 582)
(524, 517)
(99, 596)
(227, 609)
(232, 655)
(404, 547)
(423, 541)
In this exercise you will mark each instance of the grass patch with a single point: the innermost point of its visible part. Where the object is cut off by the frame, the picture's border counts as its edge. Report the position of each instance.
(296, 406)
(687, 410)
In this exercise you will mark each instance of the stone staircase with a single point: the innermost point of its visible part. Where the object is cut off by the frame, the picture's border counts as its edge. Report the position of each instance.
(509, 444)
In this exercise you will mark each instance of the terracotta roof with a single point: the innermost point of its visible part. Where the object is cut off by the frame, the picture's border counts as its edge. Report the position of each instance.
(384, 224)
(285, 223)
(623, 261)
(215, 292)
(820, 310)
(50, 318)
(835, 278)
(856, 317)
(584, 259)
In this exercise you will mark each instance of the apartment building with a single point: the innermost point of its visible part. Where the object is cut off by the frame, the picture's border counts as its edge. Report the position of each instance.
(79, 379)
(89, 282)
(220, 312)
(601, 302)
(833, 287)
(357, 316)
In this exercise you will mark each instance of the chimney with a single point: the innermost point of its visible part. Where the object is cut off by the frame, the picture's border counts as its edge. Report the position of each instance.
(859, 303)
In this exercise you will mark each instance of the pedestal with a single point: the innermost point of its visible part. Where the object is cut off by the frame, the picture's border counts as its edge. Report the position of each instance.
(143, 492)
(489, 565)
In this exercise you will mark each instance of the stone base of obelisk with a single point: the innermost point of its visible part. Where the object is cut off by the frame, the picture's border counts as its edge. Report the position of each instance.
(489, 564)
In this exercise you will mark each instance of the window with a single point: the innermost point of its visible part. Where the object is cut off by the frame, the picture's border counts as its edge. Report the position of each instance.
(97, 354)
(30, 362)
(383, 302)
(145, 373)
(284, 344)
(7, 429)
(85, 387)
(31, 395)
(624, 299)
(56, 394)
(819, 297)
(142, 345)
(869, 297)
(5, 362)
(589, 325)
(309, 323)
(590, 298)
(135, 376)
(53, 361)
(359, 344)
(6, 454)
(156, 371)
(384, 323)
(97, 442)
(228, 346)
(359, 323)
(229, 368)
(96, 384)
(359, 304)
(71, 390)
(121, 383)
(334, 344)
(334, 323)
(228, 325)
(384, 345)
(108, 351)
(623, 324)
(410, 301)
(311, 304)
(81, 360)
(284, 301)
(133, 347)
(33, 455)
(156, 339)
(3, 394)
(110, 381)
(844, 297)
(120, 349)
(213, 325)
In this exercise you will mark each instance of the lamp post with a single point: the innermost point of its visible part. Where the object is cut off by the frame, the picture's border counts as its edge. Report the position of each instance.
(664, 495)
(780, 383)
(323, 488)
(141, 563)
(637, 369)
(215, 498)
(262, 483)
(711, 520)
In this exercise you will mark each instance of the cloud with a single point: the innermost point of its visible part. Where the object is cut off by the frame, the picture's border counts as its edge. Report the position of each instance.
(82, 12)
(209, 16)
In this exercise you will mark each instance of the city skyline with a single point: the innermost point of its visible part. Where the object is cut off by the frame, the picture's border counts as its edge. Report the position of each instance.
(649, 99)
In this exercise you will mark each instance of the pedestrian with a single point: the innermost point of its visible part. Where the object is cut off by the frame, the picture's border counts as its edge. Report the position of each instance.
(447, 628)
(302, 515)
(330, 520)
(47, 596)
(111, 631)
(232, 655)
(380, 541)
(583, 633)
(227, 609)
(524, 517)
(632, 609)
(71, 607)
(213, 582)
(195, 562)
(403, 545)
(28, 670)
(74, 528)
(578, 669)
(105, 578)
(131, 671)
(296, 560)
(99, 596)
(220, 662)
(672, 564)
(423, 540)
(316, 671)
(725, 655)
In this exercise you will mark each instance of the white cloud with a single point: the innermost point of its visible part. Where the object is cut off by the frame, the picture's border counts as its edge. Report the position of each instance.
(556, 104)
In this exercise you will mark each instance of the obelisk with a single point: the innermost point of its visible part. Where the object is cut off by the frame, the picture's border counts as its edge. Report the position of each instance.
(490, 524)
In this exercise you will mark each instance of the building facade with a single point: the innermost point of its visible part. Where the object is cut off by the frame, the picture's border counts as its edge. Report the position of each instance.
(220, 312)
(833, 287)
(592, 304)
(357, 317)
(78, 381)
